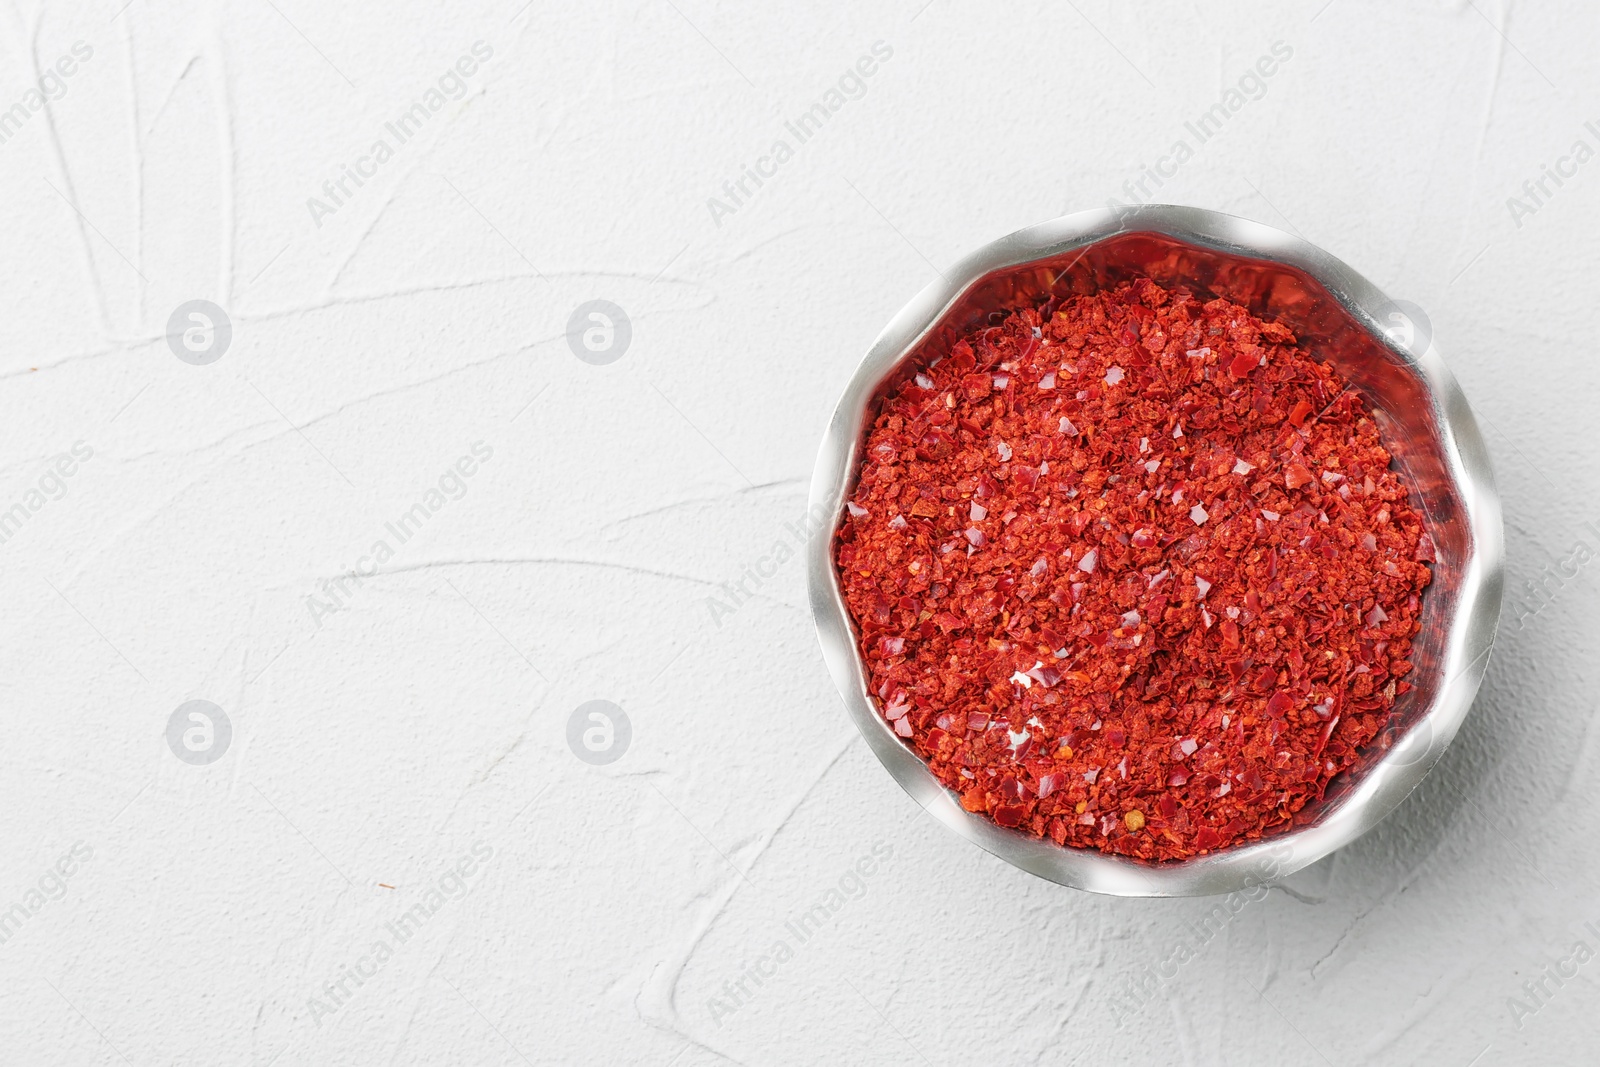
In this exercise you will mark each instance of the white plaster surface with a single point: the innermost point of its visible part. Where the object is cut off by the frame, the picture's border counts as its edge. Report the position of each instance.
(374, 745)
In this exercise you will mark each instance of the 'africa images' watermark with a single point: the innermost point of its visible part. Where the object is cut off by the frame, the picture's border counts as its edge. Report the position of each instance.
(452, 485)
(1538, 192)
(852, 885)
(52, 86)
(1540, 594)
(51, 485)
(1251, 86)
(1539, 991)
(1137, 993)
(337, 191)
(52, 885)
(736, 594)
(851, 85)
(452, 885)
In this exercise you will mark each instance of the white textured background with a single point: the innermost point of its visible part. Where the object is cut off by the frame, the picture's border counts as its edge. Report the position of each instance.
(375, 745)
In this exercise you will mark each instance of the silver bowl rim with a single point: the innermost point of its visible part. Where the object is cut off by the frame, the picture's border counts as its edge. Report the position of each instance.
(1469, 639)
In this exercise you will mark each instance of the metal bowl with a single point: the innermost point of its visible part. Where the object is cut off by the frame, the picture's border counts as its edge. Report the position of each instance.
(1385, 349)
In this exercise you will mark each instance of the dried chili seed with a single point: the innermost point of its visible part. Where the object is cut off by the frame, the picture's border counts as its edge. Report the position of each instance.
(1132, 550)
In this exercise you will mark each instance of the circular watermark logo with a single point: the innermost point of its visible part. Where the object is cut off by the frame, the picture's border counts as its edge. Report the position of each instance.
(599, 332)
(1410, 745)
(199, 332)
(599, 732)
(1406, 325)
(199, 732)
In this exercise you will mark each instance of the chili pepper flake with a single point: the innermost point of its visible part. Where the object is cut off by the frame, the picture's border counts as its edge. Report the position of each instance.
(1052, 448)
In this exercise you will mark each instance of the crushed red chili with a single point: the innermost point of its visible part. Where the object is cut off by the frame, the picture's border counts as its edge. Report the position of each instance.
(1133, 571)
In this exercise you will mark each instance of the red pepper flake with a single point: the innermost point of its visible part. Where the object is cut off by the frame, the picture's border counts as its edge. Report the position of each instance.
(1244, 362)
(1132, 571)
